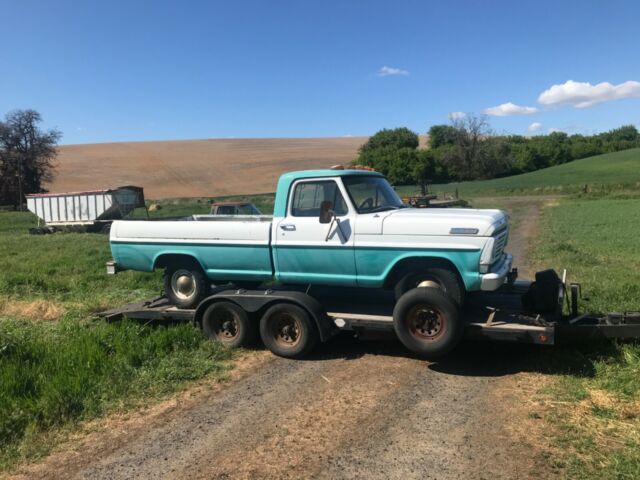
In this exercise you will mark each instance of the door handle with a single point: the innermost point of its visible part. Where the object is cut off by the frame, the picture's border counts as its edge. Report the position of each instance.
(289, 227)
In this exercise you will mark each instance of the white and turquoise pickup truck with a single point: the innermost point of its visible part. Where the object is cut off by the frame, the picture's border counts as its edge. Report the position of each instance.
(339, 227)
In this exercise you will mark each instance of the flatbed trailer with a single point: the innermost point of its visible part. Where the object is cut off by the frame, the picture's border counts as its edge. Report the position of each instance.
(493, 316)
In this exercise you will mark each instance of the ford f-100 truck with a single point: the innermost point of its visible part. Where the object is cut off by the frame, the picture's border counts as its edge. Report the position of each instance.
(341, 227)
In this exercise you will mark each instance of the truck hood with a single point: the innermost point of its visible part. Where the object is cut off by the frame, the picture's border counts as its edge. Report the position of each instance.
(443, 221)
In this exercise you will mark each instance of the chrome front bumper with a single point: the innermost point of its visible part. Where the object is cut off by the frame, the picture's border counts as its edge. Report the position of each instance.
(497, 275)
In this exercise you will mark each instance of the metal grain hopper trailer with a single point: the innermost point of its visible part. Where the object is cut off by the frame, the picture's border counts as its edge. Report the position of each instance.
(83, 211)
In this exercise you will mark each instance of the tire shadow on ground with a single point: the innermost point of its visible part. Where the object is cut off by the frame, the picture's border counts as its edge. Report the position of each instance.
(473, 358)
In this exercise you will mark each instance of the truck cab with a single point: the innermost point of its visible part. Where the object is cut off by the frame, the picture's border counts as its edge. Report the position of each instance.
(374, 240)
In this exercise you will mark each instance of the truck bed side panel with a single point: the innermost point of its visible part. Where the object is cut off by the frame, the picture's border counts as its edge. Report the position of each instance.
(226, 250)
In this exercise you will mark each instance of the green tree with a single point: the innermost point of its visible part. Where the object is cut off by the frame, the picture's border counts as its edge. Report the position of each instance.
(440, 135)
(392, 152)
(26, 156)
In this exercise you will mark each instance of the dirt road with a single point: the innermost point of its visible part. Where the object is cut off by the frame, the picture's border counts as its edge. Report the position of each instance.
(355, 409)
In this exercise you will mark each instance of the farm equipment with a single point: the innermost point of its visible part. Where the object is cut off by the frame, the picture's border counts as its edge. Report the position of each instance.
(432, 201)
(90, 211)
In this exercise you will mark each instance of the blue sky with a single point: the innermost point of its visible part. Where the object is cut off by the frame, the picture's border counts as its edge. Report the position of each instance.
(105, 71)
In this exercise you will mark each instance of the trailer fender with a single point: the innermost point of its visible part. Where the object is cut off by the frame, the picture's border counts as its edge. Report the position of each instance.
(257, 301)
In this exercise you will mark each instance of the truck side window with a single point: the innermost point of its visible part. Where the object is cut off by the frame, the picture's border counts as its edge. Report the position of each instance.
(226, 210)
(308, 196)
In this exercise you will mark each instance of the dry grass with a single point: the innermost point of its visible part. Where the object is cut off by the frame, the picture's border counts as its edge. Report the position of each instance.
(30, 310)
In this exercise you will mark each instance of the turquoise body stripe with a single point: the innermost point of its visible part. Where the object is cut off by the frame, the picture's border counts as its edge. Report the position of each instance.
(374, 264)
(220, 262)
(365, 267)
(322, 264)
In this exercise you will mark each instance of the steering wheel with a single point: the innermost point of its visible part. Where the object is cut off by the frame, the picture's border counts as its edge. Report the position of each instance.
(367, 204)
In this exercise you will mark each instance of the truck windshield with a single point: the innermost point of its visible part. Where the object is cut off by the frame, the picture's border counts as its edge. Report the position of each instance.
(372, 194)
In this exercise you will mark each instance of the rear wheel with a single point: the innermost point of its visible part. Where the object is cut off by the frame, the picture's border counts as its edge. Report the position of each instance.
(427, 322)
(185, 286)
(229, 324)
(288, 330)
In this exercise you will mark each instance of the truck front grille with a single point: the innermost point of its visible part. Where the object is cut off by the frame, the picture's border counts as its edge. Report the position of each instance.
(501, 238)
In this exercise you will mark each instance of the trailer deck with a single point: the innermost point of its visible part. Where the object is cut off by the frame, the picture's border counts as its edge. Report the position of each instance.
(496, 316)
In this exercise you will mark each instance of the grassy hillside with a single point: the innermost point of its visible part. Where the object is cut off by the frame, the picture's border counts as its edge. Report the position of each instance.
(613, 170)
(595, 407)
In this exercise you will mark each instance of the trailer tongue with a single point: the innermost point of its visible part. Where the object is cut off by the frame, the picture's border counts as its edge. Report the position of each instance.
(284, 313)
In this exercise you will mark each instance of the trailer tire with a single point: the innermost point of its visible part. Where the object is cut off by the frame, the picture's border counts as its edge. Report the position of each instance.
(427, 322)
(185, 285)
(446, 280)
(229, 324)
(288, 330)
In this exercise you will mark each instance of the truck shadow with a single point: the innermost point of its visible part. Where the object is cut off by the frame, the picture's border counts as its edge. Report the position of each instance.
(470, 358)
(479, 358)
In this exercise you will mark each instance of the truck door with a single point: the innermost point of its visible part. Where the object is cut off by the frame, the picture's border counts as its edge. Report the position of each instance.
(307, 251)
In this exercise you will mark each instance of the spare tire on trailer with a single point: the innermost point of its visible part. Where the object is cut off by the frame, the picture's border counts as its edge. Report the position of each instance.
(288, 330)
(427, 322)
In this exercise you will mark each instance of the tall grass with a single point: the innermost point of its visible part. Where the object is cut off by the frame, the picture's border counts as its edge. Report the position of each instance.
(597, 412)
(54, 374)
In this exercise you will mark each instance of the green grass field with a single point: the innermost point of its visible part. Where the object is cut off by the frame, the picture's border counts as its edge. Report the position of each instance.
(612, 171)
(58, 363)
(596, 407)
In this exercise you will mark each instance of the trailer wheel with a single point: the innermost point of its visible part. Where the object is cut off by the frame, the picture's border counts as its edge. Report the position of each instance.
(427, 322)
(229, 324)
(288, 330)
(185, 286)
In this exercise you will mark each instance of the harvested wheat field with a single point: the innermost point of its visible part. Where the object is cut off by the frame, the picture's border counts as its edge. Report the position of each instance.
(197, 168)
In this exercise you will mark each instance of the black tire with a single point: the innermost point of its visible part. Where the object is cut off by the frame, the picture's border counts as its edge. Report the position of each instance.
(446, 279)
(229, 324)
(185, 285)
(427, 322)
(288, 330)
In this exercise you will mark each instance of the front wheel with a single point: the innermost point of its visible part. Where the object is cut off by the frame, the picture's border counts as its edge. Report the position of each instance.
(435, 277)
(427, 322)
(288, 330)
(185, 286)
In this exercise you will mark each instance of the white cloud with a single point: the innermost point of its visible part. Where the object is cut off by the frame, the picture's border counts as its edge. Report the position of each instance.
(509, 108)
(583, 94)
(456, 115)
(535, 127)
(386, 71)
(554, 130)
